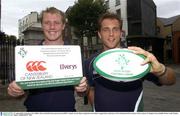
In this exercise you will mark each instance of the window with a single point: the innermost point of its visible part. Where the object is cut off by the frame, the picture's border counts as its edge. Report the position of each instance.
(118, 12)
(107, 3)
(94, 41)
(158, 30)
(118, 2)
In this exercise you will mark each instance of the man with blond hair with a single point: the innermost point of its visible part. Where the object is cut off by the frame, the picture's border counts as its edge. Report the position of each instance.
(54, 99)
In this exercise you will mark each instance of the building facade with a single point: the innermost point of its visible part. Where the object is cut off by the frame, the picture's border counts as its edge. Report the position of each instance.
(169, 29)
(30, 31)
(139, 16)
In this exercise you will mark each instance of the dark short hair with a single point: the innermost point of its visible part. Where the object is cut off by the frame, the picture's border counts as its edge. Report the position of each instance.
(108, 15)
(53, 10)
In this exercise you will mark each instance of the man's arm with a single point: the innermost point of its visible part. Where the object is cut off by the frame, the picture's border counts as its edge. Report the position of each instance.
(166, 76)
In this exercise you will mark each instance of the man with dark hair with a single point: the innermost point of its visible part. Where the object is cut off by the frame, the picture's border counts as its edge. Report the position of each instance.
(107, 95)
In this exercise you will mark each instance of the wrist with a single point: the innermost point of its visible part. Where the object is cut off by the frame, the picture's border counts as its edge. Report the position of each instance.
(163, 72)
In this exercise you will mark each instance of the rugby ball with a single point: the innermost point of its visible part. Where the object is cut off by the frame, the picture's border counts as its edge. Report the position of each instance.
(120, 65)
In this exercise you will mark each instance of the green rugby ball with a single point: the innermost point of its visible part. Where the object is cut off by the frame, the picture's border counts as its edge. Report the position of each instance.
(121, 65)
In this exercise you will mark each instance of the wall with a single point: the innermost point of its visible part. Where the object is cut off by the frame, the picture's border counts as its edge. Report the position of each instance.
(148, 14)
(33, 36)
(176, 47)
(176, 25)
(141, 17)
(26, 22)
(161, 28)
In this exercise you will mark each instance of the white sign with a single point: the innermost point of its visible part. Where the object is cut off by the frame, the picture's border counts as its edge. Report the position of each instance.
(120, 65)
(47, 66)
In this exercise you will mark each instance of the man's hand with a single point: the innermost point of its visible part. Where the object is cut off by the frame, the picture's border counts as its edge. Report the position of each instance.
(165, 75)
(156, 67)
(82, 88)
(14, 90)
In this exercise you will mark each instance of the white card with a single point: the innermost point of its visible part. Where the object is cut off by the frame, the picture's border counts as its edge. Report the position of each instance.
(47, 66)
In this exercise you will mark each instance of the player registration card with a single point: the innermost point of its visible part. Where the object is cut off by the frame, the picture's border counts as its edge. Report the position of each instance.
(47, 66)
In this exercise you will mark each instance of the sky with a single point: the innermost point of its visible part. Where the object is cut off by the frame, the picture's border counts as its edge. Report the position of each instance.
(13, 10)
(167, 8)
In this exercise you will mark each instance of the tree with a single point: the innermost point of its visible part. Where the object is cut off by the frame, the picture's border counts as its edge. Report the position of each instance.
(83, 17)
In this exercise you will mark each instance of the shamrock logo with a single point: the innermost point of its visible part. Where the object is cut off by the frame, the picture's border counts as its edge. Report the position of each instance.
(122, 61)
(22, 52)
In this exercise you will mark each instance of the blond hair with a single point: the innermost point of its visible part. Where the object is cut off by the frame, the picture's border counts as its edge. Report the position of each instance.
(53, 10)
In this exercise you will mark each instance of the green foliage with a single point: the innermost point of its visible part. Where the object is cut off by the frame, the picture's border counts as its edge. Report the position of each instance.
(7, 39)
(83, 16)
(5, 36)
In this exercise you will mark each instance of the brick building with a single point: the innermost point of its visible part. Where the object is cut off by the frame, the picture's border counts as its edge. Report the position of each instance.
(169, 29)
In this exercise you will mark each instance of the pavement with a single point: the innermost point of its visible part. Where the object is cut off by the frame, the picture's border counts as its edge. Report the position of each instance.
(156, 99)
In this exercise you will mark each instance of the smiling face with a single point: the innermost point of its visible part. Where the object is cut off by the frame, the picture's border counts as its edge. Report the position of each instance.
(110, 33)
(53, 27)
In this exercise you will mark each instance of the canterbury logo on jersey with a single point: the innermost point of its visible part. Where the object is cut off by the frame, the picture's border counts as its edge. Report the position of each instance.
(35, 66)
